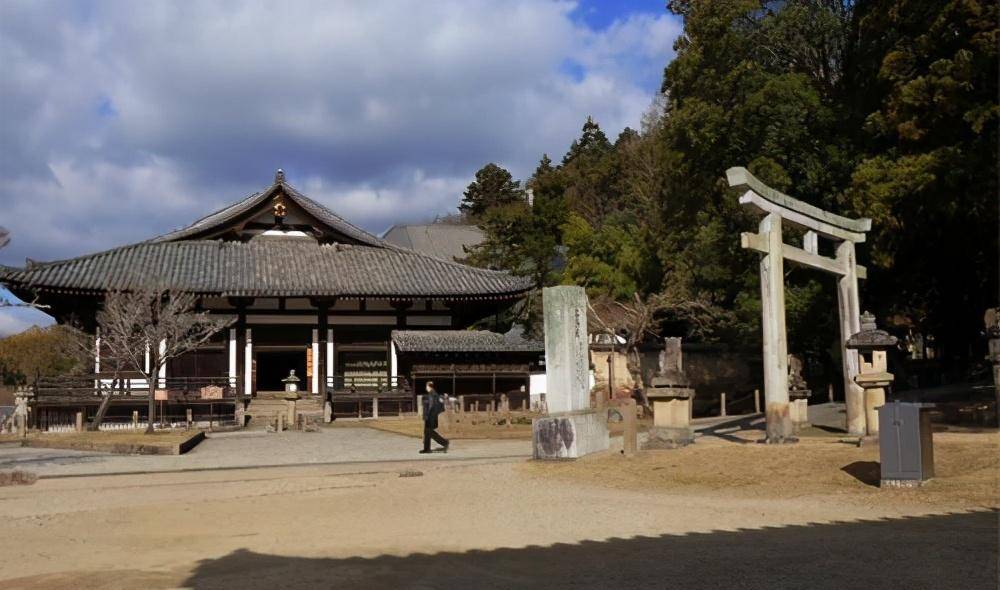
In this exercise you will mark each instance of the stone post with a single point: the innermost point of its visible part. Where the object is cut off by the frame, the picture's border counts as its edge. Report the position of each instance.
(135, 419)
(375, 408)
(566, 349)
(573, 429)
(21, 397)
(79, 421)
(630, 434)
(239, 411)
(992, 320)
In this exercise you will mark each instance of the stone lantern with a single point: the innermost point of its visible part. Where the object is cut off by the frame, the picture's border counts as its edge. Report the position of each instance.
(291, 386)
(671, 394)
(874, 376)
(798, 393)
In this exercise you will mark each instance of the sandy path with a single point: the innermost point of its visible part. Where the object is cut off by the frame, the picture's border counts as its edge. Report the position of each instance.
(294, 526)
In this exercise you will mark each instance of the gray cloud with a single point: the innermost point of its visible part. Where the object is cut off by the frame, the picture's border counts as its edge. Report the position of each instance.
(122, 120)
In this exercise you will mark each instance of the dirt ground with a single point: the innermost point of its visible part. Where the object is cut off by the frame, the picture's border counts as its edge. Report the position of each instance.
(967, 469)
(714, 512)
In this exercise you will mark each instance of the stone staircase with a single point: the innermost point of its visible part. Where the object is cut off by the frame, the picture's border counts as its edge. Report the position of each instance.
(263, 409)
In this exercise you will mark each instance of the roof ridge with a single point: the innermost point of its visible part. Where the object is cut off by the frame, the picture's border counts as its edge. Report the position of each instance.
(295, 193)
(250, 197)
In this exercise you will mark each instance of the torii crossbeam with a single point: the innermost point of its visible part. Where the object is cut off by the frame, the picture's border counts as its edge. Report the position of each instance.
(845, 233)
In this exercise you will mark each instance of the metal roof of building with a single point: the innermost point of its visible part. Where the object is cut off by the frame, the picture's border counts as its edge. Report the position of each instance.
(441, 240)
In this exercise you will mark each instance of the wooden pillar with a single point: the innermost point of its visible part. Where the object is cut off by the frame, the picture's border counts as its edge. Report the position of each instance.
(401, 305)
(630, 435)
(313, 368)
(772, 291)
(849, 308)
(248, 362)
(320, 360)
(241, 345)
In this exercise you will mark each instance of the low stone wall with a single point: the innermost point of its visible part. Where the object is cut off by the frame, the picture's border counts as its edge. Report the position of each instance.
(126, 445)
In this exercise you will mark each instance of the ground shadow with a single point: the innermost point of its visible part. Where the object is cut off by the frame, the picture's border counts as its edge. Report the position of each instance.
(940, 551)
(726, 429)
(830, 429)
(867, 472)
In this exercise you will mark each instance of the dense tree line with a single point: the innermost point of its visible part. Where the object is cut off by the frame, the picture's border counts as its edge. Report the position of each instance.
(883, 108)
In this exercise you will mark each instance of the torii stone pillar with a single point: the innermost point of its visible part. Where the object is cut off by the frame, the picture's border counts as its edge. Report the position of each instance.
(778, 209)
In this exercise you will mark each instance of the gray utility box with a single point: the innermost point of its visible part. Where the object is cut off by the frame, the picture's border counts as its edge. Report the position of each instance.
(906, 450)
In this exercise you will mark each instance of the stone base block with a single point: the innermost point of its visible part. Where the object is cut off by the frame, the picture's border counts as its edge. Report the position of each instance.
(901, 483)
(798, 412)
(672, 412)
(662, 437)
(569, 435)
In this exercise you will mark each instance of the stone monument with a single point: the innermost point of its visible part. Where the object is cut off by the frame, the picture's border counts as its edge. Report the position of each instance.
(21, 399)
(798, 393)
(572, 429)
(671, 394)
(874, 376)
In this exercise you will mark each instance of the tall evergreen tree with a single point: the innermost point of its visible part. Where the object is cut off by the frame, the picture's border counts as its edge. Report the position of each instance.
(494, 186)
(924, 79)
(592, 141)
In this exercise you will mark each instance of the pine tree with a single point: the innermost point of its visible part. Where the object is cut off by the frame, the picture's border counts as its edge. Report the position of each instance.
(494, 187)
(592, 141)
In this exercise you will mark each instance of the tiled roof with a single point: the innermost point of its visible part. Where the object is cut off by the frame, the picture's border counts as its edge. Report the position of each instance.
(267, 267)
(463, 341)
(224, 216)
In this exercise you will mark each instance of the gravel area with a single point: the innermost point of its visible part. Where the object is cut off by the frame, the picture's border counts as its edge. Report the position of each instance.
(260, 449)
(464, 525)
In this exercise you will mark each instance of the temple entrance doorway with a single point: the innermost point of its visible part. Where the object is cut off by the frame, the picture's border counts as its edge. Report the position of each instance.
(273, 364)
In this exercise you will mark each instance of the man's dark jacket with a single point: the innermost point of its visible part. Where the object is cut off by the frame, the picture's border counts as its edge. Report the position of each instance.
(433, 405)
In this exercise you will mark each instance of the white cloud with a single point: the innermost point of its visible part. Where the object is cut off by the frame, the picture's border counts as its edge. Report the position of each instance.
(126, 119)
(15, 320)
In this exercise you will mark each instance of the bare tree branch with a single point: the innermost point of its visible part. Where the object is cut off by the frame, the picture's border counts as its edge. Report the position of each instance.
(159, 323)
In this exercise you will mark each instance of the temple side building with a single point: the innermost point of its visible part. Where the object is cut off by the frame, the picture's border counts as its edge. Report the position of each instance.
(307, 290)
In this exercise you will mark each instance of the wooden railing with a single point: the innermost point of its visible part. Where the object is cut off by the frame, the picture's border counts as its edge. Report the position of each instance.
(340, 386)
(77, 388)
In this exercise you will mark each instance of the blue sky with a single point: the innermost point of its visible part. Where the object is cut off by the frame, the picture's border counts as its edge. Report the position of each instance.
(122, 120)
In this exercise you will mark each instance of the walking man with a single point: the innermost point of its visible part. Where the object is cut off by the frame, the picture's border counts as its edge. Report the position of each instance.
(433, 405)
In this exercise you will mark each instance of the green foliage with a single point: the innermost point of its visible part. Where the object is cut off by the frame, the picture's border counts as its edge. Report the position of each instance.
(38, 351)
(493, 187)
(928, 179)
(882, 108)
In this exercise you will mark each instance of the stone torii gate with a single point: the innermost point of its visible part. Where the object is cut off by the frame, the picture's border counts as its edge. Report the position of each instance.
(845, 233)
